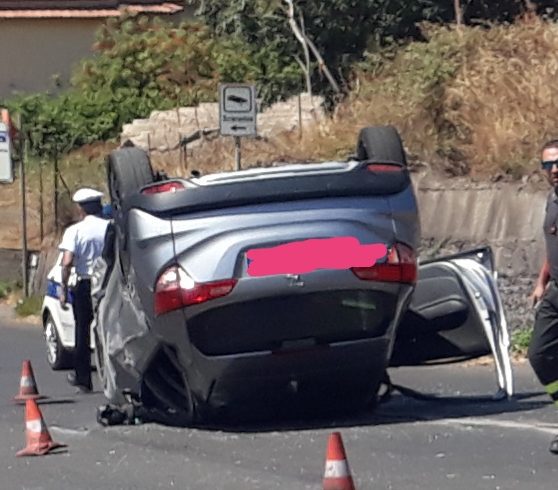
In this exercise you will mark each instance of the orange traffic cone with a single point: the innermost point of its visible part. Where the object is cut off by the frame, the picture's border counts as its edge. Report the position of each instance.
(38, 438)
(337, 475)
(27, 386)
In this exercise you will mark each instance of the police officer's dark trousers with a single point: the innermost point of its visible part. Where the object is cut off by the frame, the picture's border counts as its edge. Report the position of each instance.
(83, 315)
(543, 350)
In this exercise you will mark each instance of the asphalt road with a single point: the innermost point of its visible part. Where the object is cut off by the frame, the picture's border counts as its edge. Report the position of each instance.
(454, 443)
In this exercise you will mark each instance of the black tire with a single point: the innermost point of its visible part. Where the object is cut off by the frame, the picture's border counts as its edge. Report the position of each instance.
(381, 143)
(58, 357)
(128, 169)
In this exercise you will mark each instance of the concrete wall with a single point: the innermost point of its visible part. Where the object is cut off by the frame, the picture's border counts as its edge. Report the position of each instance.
(508, 217)
(458, 215)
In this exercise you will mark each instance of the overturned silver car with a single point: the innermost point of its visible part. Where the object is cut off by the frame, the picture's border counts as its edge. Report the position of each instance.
(183, 326)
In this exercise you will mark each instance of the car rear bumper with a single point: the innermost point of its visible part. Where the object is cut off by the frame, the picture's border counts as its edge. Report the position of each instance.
(323, 350)
(317, 377)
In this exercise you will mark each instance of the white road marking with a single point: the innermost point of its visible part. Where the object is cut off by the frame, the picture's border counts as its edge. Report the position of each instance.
(493, 423)
(69, 432)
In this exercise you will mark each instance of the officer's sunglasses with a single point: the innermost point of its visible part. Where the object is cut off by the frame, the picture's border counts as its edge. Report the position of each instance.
(547, 165)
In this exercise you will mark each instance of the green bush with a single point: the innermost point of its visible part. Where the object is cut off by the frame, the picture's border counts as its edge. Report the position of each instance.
(5, 289)
(521, 339)
(29, 306)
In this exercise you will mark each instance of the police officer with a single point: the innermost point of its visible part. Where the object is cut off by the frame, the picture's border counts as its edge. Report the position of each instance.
(81, 244)
(543, 350)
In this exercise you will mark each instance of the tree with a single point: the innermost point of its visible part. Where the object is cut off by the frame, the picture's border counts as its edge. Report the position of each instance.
(339, 30)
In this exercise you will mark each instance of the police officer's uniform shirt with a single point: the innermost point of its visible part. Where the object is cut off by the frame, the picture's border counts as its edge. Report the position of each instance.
(85, 240)
(551, 233)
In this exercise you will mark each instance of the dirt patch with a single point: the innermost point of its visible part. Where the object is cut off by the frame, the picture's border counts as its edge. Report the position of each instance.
(8, 312)
(516, 358)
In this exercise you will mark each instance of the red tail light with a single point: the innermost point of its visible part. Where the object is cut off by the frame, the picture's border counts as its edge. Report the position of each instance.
(384, 167)
(165, 187)
(175, 289)
(400, 266)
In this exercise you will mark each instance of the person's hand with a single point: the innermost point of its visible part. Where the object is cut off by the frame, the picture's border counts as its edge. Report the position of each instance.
(537, 295)
(62, 296)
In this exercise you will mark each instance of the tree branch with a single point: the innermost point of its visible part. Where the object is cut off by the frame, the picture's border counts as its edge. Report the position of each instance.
(307, 58)
(322, 65)
(458, 12)
(530, 6)
(307, 43)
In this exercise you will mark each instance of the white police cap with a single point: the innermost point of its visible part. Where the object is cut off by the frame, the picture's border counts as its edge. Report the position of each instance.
(86, 194)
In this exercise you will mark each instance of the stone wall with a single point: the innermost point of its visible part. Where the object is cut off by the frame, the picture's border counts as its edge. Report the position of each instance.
(162, 132)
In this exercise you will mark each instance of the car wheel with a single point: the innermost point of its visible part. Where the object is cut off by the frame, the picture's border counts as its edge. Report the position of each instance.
(58, 357)
(381, 143)
(128, 170)
(165, 388)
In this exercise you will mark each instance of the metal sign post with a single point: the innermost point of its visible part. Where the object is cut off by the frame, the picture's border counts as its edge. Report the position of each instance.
(24, 150)
(21, 141)
(56, 192)
(237, 152)
(237, 113)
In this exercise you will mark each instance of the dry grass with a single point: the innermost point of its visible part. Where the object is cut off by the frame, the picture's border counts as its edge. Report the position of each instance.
(503, 100)
(478, 101)
(84, 167)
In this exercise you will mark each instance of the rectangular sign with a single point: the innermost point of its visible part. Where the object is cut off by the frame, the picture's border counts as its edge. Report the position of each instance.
(237, 109)
(6, 164)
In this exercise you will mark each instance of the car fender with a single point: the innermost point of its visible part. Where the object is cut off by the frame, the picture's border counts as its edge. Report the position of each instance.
(63, 320)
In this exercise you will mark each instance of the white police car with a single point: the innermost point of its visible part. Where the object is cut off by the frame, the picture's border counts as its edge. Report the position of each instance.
(58, 322)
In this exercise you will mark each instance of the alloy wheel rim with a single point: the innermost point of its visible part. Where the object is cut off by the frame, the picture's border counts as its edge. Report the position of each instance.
(51, 338)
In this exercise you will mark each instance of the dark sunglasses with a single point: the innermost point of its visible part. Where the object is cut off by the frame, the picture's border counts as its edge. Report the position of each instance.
(549, 164)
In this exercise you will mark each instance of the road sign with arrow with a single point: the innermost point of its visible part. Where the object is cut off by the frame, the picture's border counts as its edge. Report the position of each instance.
(237, 109)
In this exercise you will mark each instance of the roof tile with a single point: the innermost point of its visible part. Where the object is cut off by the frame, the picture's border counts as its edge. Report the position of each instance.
(25, 9)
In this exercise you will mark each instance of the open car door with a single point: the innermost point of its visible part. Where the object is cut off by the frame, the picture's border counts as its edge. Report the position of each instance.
(456, 314)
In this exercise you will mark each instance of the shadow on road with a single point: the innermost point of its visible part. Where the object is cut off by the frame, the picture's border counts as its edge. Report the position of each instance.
(399, 409)
(56, 401)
